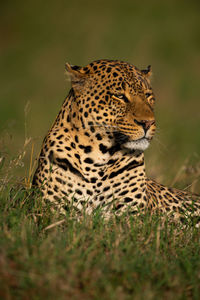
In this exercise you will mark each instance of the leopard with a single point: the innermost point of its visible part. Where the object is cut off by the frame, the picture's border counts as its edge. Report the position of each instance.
(93, 155)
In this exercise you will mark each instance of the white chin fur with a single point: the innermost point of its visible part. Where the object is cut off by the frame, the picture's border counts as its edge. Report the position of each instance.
(141, 144)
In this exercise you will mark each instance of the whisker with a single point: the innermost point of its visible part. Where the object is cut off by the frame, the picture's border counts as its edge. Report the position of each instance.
(164, 146)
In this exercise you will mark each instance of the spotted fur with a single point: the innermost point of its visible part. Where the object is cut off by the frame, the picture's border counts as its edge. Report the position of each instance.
(93, 155)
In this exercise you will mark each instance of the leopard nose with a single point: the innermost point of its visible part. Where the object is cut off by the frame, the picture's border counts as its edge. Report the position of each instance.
(146, 124)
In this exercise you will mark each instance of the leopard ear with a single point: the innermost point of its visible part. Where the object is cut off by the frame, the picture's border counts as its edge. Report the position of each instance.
(147, 72)
(75, 73)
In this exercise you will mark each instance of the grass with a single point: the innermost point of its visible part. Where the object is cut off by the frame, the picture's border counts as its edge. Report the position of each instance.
(44, 255)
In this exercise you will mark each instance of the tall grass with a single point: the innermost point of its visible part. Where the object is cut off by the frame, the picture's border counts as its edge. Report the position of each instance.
(44, 255)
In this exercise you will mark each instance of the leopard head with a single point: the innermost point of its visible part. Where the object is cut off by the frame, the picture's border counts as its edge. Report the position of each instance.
(114, 98)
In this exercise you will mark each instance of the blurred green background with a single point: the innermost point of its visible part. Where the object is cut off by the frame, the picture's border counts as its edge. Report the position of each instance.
(38, 37)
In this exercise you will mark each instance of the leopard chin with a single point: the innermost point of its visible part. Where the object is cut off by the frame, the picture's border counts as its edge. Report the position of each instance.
(141, 144)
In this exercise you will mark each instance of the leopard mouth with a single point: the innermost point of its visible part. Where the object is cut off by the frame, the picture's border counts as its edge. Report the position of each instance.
(140, 144)
(124, 141)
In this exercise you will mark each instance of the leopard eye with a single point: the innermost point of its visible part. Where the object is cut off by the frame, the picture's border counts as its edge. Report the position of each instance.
(148, 95)
(122, 97)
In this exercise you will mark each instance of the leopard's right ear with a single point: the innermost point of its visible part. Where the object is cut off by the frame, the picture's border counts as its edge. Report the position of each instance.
(147, 72)
(76, 74)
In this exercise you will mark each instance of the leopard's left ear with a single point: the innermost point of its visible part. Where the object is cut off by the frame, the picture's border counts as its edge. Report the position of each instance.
(76, 74)
(147, 72)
